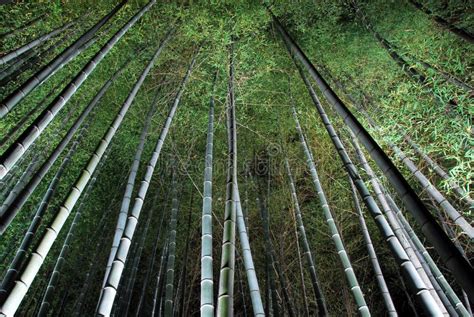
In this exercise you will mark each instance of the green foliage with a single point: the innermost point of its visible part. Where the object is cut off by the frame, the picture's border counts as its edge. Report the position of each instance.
(331, 35)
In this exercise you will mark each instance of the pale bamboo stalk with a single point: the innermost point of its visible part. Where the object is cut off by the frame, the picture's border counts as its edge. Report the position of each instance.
(387, 298)
(110, 289)
(207, 281)
(396, 227)
(348, 270)
(169, 288)
(58, 266)
(39, 77)
(35, 262)
(25, 48)
(225, 299)
(320, 300)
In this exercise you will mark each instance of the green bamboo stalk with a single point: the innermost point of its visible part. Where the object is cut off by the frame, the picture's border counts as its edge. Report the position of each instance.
(58, 266)
(109, 291)
(387, 298)
(273, 257)
(152, 259)
(320, 300)
(398, 230)
(25, 48)
(252, 280)
(225, 299)
(33, 131)
(301, 271)
(136, 261)
(348, 270)
(39, 77)
(159, 280)
(12, 210)
(171, 252)
(419, 287)
(125, 206)
(453, 259)
(207, 282)
(36, 260)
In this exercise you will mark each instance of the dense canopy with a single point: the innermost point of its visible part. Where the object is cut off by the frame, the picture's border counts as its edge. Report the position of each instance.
(233, 158)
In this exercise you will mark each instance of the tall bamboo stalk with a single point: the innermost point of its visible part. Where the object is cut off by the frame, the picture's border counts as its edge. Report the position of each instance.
(252, 280)
(58, 266)
(225, 299)
(207, 280)
(28, 137)
(122, 217)
(453, 259)
(109, 291)
(157, 294)
(152, 258)
(35, 262)
(450, 294)
(387, 298)
(169, 288)
(137, 260)
(418, 262)
(346, 263)
(419, 287)
(16, 205)
(39, 77)
(27, 240)
(25, 48)
(320, 300)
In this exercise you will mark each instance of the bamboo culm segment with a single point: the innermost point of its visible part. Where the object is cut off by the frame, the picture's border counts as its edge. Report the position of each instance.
(207, 282)
(27, 240)
(320, 300)
(252, 281)
(109, 291)
(25, 48)
(35, 262)
(419, 287)
(348, 270)
(387, 298)
(55, 275)
(27, 138)
(449, 254)
(16, 205)
(433, 271)
(125, 206)
(39, 77)
(170, 263)
(225, 299)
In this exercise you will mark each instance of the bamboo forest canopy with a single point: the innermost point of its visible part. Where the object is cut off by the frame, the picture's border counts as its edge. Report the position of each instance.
(236, 158)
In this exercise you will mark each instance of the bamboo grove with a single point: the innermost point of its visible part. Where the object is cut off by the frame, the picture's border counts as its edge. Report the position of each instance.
(235, 159)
